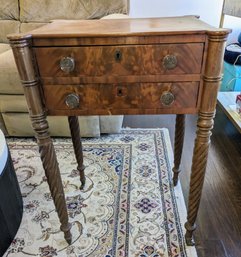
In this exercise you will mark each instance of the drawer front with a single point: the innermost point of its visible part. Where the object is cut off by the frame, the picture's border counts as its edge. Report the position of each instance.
(119, 97)
(120, 60)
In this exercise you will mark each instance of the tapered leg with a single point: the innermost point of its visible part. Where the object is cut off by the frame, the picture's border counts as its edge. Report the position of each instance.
(52, 172)
(199, 162)
(179, 138)
(76, 139)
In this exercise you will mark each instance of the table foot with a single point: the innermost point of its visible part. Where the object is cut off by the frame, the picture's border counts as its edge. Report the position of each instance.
(175, 176)
(82, 176)
(189, 233)
(189, 241)
(67, 233)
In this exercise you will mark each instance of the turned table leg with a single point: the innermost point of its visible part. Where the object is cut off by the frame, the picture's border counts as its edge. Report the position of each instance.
(76, 139)
(199, 162)
(179, 138)
(32, 89)
(211, 81)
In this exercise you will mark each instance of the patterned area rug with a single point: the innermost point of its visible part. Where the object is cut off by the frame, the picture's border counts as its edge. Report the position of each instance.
(127, 208)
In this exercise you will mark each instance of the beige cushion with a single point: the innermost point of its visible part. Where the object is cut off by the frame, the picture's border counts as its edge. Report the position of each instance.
(111, 124)
(9, 9)
(13, 103)
(45, 10)
(58, 126)
(8, 27)
(25, 27)
(9, 77)
(4, 47)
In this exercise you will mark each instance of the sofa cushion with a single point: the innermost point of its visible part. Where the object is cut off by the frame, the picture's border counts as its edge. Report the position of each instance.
(25, 27)
(4, 47)
(9, 9)
(8, 27)
(13, 103)
(9, 78)
(45, 10)
(111, 123)
(58, 125)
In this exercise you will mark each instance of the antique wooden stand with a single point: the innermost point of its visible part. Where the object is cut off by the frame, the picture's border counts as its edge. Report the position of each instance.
(128, 66)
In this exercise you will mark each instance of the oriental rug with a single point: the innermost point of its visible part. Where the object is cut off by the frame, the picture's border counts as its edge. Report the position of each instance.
(128, 207)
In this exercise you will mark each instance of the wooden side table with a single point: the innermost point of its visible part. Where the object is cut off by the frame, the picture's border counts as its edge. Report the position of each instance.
(128, 66)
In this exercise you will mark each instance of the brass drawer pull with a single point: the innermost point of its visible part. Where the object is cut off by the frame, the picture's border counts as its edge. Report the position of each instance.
(170, 62)
(67, 64)
(72, 101)
(118, 55)
(167, 98)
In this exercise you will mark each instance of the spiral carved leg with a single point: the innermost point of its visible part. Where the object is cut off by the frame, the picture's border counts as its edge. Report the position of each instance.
(52, 172)
(76, 139)
(199, 163)
(179, 138)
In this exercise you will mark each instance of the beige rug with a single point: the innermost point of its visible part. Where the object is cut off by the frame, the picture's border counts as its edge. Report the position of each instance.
(127, 208)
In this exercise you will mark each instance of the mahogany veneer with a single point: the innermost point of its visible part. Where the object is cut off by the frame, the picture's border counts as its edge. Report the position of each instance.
(127, 66)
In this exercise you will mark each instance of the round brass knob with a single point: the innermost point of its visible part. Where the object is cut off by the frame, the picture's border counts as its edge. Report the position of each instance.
(167, 98)
(67, 64)
(170, 62)
(72, 101)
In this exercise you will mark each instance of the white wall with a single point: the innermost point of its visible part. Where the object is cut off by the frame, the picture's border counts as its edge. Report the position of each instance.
(208, 10)
(233, 23)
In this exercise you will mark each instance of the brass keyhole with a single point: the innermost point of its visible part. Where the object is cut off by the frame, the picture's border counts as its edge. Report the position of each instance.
(118, 55)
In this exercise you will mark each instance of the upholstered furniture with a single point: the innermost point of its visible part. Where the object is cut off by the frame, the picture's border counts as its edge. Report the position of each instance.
(22, 16)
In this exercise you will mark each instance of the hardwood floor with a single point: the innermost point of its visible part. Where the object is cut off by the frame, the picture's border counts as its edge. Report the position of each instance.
(219, 218)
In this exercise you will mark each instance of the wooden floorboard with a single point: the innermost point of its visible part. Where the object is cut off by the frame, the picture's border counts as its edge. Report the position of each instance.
(219, 218)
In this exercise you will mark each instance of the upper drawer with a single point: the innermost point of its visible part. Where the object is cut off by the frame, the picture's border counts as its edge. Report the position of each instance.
(120, 60)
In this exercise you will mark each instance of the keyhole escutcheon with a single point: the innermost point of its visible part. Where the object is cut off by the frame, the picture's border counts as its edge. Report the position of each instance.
(118, 55)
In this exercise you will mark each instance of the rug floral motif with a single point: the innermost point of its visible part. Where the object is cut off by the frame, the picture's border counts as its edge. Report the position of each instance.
(127, 208)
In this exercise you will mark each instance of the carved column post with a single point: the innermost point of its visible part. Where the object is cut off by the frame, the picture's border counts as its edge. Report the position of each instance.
(25, 61)
(76, 139)
(179, 137)
(211, 81)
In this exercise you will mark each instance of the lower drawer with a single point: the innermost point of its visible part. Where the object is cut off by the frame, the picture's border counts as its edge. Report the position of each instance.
(121, 98)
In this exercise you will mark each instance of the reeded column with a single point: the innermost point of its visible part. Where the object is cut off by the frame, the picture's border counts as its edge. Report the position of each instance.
(76, 139)
(28, 74)
(179, 138)
(211, 81)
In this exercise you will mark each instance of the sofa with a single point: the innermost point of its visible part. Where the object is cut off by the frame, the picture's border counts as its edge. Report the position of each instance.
(25, 15)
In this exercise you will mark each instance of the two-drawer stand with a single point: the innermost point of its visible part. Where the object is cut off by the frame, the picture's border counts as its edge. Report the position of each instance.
(126, 66)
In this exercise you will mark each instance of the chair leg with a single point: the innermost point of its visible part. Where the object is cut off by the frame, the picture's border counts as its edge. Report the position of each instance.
(76, 139)
(179, 138)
